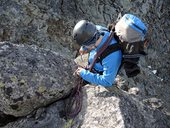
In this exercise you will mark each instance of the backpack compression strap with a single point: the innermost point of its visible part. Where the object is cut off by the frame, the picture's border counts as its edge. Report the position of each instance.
(115, 47)
(110, 49)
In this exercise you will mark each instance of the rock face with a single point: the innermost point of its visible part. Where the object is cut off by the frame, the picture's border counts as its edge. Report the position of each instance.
(31, 77)
(43, 118)
(114, 108)
(49, 24)
(36, 22)
(102, 108)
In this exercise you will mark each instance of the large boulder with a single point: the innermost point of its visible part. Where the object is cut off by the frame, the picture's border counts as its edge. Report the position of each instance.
(31, 77)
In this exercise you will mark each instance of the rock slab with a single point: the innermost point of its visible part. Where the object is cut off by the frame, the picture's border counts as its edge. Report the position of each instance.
(31, 77)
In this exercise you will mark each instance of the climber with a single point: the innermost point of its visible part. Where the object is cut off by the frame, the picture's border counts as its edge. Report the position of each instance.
(91, 38)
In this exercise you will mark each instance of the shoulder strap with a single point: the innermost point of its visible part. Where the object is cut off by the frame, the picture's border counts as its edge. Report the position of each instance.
(102, 49)
(110, 49)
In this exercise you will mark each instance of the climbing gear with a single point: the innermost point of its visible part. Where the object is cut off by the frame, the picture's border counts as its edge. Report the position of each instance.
(130, 29)
(129, 59)
(75, 101)
(133, 31)
(84, 32)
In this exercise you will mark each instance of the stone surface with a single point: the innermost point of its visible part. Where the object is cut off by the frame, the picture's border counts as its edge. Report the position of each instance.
(43, 118)
(32, 77)
(49, 24)
(114, 108)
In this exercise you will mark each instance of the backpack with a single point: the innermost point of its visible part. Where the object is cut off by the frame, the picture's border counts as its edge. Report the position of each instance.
(130, 34)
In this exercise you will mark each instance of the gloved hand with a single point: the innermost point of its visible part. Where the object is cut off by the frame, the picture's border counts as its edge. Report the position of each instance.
(83, 50)
(78, 71)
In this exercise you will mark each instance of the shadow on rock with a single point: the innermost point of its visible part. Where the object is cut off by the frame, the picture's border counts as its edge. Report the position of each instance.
(5, 119)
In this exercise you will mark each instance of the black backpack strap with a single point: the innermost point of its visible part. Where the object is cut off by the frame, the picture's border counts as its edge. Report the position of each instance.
(110, 49)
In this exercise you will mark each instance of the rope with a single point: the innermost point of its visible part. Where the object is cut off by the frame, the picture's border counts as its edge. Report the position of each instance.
(75, 101)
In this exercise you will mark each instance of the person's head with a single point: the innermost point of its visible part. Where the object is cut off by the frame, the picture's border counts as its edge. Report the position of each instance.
(85, 33)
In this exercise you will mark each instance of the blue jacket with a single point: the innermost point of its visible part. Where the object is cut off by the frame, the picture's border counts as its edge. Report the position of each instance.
(109, 65)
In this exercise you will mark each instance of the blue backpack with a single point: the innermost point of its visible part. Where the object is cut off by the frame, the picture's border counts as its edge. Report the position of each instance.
(130, 33)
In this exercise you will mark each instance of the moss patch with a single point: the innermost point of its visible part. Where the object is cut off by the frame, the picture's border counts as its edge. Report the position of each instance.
(14, 79)
(2, 85)
(41, 89)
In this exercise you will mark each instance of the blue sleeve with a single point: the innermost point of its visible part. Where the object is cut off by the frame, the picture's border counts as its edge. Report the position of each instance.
(111, 65)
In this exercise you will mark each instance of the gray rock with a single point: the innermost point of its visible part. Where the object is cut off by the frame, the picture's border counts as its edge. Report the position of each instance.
(31, 77)
(114, 108)
(134, 91)
(44, 118)
(49, 24)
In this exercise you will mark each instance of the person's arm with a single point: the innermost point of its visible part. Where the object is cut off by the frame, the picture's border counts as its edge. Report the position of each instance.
(111, 65)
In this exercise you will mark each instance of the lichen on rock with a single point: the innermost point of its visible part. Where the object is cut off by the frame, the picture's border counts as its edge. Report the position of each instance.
(35, 80)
